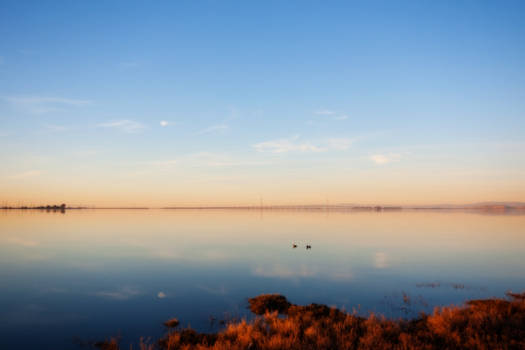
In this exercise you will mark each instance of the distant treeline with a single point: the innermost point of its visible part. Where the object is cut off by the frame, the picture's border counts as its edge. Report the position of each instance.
(61, 207)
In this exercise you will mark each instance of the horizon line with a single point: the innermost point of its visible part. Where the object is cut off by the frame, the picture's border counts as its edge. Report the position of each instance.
(340, 206)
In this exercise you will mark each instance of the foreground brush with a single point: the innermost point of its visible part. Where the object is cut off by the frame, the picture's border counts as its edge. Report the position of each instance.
(479, 324)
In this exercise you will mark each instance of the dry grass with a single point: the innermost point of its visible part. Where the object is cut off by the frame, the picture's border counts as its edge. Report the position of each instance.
(480, 324)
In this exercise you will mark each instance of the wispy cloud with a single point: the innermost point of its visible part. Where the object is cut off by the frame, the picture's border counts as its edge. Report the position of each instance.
(294, 144)
(26, 174)
(385, 158)
(286, 145)
(124, 125)
(165, 123)
(324, 112)
(330, 114)
(214, 129)
(40, 104)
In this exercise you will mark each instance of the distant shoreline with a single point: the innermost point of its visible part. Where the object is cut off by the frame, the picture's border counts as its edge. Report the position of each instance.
(488, 208)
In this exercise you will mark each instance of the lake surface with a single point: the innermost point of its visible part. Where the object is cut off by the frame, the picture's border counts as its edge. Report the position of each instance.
(93, 274)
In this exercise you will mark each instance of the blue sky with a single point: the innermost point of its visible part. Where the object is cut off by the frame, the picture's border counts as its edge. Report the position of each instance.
(124, 102)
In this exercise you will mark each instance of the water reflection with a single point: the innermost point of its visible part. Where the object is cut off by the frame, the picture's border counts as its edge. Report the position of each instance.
(92, 273)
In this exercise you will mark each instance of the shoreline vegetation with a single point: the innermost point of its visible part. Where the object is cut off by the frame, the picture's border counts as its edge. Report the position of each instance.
(494, 323)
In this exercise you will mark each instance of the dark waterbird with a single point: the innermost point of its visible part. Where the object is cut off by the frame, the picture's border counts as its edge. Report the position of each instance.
(308, 246)
(294, 245)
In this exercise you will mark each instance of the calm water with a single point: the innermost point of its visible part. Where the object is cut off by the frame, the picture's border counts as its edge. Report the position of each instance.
(97, 273)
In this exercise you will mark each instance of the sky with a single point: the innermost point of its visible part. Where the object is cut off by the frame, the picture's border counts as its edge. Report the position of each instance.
(132, 103)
